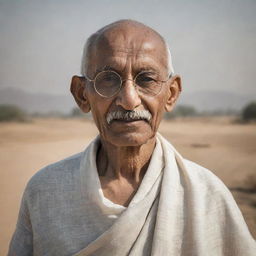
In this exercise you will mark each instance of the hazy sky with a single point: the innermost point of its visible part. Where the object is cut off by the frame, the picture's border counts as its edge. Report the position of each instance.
(213, 43)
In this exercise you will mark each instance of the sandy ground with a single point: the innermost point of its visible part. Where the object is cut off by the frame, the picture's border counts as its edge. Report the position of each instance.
(227, 149)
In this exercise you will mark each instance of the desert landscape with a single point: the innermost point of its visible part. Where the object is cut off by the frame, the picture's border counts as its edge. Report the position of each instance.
(217, 143)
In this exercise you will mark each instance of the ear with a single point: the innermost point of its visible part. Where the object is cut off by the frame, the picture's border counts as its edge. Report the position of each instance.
(78, 90)
(174, 90)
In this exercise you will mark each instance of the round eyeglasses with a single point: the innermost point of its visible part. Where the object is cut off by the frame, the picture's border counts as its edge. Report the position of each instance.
(108, 83)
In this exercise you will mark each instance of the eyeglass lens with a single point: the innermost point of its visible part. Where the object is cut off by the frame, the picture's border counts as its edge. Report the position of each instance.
(107, 83)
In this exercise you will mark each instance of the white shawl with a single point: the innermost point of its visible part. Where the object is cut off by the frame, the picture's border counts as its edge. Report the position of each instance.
(180, 209)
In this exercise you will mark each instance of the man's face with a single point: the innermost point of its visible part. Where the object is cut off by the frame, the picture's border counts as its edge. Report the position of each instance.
(128, 53)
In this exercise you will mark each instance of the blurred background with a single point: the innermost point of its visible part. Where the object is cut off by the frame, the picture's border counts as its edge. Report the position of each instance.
(213, 46)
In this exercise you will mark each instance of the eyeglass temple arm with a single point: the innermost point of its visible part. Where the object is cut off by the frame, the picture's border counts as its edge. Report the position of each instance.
(163, 81)
(90, 80)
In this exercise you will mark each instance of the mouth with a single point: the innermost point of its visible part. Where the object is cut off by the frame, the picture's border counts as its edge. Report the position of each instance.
(128, 124)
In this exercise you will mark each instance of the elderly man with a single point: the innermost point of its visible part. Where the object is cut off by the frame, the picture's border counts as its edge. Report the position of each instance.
(130, 192)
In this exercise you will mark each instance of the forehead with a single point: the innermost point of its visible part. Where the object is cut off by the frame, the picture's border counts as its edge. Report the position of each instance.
(138, 47)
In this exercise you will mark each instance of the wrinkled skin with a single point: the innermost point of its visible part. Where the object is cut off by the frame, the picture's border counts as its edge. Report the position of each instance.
(126, 146)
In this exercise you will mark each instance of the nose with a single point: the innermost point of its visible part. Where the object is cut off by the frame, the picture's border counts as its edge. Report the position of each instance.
(128, 97)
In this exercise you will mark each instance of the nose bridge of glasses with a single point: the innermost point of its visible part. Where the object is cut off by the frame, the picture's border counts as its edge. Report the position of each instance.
(123, 81)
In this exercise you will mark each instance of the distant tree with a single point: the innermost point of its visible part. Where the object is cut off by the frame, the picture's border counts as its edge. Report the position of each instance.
(12, 113)
(76, 112)
(249, 112)
(181, 111)
(185, 110)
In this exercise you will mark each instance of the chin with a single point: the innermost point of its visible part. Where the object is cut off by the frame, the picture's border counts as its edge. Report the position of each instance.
(129, 139)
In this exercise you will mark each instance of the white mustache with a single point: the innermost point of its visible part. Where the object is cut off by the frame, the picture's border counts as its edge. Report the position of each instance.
(129, 115)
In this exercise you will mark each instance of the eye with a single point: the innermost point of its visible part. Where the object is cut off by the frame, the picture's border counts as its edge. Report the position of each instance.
(145, 79)
(108, 77)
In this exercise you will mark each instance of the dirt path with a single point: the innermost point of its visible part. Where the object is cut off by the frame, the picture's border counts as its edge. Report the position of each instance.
(227, 149)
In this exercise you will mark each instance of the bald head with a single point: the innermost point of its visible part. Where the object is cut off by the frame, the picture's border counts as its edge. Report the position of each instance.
(128, 31)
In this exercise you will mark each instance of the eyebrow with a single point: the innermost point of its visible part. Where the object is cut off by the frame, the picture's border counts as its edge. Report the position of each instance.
(109, 68)
(106, 68)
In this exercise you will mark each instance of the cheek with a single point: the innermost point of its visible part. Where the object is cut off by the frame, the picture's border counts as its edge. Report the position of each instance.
(98, 116)
(156, 108)
(99, 109)
(156, 120)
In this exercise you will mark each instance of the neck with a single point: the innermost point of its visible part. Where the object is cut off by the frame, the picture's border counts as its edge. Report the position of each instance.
(124, 163)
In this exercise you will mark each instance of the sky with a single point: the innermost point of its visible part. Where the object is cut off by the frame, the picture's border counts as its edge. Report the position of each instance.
(213, 43)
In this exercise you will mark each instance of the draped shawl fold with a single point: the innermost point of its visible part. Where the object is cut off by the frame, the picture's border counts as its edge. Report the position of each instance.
(180, 209)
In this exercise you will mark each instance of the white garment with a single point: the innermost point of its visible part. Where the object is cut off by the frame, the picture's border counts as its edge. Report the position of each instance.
(180, 209)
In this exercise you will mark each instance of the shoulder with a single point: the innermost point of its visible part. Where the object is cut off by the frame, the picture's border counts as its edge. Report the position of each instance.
(215, 203)
(193, 175)
(206, 186)
(202, 176)
(53, 175)
(205, 182)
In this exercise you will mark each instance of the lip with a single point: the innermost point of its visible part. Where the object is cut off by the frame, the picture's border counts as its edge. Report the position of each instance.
(128, 122)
